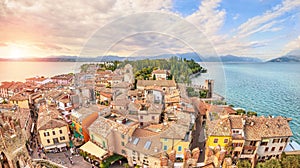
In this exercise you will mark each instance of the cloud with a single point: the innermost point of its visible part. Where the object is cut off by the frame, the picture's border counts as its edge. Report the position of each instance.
(208, 19)
(60, 23)
(267, 19)
(46, 46)
(238, 42)
(60, 26)
(292, 45)
(3, 44)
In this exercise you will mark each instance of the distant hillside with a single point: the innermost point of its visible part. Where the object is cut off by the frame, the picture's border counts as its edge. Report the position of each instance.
(286, 58)
(292, 56)
(188, 56)
(232, 58)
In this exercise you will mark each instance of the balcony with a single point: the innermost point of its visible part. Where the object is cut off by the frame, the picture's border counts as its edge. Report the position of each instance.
(247, 156)
(248, 147)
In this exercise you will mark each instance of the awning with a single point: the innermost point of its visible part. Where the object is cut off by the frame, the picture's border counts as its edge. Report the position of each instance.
(61, 145)
(32, 127)
(93, 149)
(56, 146)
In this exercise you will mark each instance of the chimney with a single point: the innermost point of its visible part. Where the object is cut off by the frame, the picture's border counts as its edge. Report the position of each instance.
(163, 161)
(172, 156)
(243, 121)
(12, 125)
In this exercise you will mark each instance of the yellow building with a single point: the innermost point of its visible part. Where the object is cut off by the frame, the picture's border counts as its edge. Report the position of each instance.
(218, 133)
(176, 138)
(20, 99)
(53, 131)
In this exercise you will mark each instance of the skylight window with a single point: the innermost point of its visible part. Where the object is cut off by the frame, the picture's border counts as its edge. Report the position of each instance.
(136, 141)
(147, 145)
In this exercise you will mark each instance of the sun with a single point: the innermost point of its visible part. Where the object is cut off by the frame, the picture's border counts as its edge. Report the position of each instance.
(15, 53)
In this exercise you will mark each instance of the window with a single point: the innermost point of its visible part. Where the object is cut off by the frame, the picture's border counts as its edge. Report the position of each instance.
(236, 131)
(62, 138)
(273, 149)
(55, 140)
(225, 140)
(179, 148)
(284, 140)
(136, 141)
(147, 145)
(46, 134)
(264, 144)
(122, 143)
(165, 147)
(53, 132)
(123, 136)
(103, 144)
(141, 117)
(252, 143)
(48, 140)
(266, 149)
(165, 139)
(153, 117)
(216, 140)
(276, 140)
(60, 131)
(280, 149)
(123, 152)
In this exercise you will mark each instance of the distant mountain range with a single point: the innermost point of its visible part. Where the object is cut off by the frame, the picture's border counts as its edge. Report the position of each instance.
(286, 58)
(293, 56)
(189, 56)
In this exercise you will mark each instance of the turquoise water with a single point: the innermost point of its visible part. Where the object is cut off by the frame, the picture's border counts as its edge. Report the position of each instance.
(267, 88)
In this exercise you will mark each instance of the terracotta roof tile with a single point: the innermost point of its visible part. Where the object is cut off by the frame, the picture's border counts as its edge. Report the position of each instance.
(219, 127)
(143, 133)
(257, 128)
(162, 83)
(236, 122)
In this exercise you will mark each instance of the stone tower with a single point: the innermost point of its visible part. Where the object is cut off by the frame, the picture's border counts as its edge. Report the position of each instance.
(13, 152)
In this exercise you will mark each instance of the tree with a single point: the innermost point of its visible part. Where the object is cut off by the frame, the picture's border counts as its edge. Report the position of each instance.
(251, 113)
(244, 164)
(154, 77)
(290, 161)
(240, 111)
(260, 165)
(272, 163)
(126, 165)
(203, 93)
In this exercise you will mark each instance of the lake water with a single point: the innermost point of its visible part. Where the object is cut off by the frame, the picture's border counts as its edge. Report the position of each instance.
(267, 88)
(18, 71)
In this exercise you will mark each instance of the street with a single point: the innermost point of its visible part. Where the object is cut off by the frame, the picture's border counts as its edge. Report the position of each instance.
(199, 139)
(63, 159)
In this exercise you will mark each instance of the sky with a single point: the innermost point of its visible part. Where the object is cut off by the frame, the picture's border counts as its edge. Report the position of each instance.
(257, 28)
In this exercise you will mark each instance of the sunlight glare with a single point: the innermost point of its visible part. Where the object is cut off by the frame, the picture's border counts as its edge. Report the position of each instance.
(15, 53)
